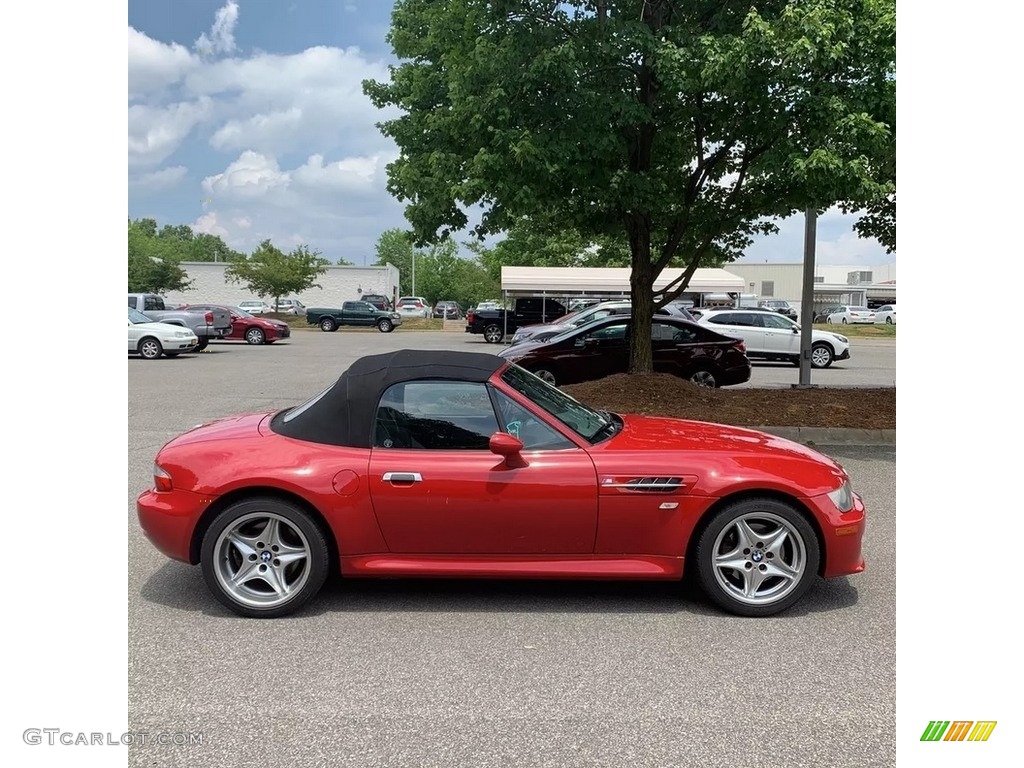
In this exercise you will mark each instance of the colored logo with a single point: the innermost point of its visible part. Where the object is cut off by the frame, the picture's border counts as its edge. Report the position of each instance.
(958, 730)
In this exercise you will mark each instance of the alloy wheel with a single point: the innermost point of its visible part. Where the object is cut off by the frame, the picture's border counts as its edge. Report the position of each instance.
(759, 558)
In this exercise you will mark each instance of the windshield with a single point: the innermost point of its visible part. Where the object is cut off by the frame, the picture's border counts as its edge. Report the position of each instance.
(137, 317)
(239, 311)
(584, 421)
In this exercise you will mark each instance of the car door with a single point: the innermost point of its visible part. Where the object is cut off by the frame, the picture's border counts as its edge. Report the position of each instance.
(436, 488)
(743, 325)
(597, 353)
(781, 336)
(357, 313)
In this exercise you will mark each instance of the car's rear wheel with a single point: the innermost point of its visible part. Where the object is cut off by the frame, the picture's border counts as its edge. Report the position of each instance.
(493, 334)
(822, 355)
(385, 326)
(151, 348)
(828, 320)
(757, 557)
(203, 344)
(888, 321)
(263, 557)
(703, 377)
(546, 374)
(327, 325)
(255, 336)
(844, 321)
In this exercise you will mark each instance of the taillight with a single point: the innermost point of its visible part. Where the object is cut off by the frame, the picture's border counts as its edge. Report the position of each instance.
(162, 479)
(209, 318)
(470, 317)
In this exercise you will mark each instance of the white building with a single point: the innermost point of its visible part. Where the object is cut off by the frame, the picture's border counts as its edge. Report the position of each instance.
(338, 284)
(833, 284)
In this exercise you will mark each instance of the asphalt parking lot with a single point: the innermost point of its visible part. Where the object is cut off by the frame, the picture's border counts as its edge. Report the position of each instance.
(411, 673)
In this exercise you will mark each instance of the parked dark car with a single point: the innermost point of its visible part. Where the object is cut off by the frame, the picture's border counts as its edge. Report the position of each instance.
(447, 310)
(383, 303)
(821, 315)
(356, 313)
(601, 348)
(781, 306)
(495, 324)
(246, 326)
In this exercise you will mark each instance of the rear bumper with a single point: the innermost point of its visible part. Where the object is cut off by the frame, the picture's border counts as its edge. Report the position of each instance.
(737, 375)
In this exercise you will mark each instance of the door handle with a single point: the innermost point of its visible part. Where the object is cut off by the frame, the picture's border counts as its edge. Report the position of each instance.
(402, 477)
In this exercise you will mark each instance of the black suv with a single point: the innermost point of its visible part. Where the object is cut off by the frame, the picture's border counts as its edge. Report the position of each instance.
(779, 305)
(380, 302)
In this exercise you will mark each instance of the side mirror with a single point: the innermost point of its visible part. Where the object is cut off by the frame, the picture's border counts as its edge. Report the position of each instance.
(796, 329)
(505, 445)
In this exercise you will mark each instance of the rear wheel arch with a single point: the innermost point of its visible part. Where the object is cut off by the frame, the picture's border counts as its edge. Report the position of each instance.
(689, 557)
(241, 494)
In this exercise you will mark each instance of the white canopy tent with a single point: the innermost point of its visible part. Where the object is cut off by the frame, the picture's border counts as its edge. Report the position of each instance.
(573, 281)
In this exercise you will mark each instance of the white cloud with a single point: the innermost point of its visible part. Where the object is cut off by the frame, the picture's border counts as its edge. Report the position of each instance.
(836, 243)
(338, 207)
(155, 132)
(153, 65)
(222, 34)
(165, 178)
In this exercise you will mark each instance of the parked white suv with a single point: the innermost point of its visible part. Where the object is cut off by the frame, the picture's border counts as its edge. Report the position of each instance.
(769, 335)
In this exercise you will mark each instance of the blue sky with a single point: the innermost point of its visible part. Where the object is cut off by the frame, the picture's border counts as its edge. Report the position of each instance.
(246, 119)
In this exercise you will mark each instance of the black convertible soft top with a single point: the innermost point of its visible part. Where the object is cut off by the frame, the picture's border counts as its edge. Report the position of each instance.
(344, 414)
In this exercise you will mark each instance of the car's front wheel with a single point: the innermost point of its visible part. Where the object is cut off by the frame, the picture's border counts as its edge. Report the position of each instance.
(327, 325)
(844, 321)
(264, 557)
(757, 557)
(151, 348)
(888, 321)
(255, 336)
(822, 355)
(385, 326)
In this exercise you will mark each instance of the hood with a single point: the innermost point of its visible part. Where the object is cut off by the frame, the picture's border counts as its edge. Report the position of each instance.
(165, 327)
(228, 428)
(734, 452)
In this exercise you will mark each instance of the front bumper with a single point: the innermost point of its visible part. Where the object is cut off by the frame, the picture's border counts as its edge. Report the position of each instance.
(845, 355)
(843, 534)
(168, 519)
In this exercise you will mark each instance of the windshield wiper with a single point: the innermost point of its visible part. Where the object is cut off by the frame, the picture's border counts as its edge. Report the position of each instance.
(610, 426)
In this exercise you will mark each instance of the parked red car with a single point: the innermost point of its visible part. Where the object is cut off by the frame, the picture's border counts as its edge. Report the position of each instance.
(601, 348)
(248, 327)
(459, 464)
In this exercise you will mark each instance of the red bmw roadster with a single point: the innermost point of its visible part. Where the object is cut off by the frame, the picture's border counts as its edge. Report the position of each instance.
(460, 464)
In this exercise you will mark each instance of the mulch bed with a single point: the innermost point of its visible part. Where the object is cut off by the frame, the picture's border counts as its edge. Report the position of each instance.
(665, 395)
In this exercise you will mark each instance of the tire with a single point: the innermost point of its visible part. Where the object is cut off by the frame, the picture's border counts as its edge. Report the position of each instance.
(703, 377)
(546, 374)
(822, 355)
(234, 546)
(385, 326)
(844, 321)
(327, 325)
(744, 578)
(150, 348)
(255, 336)
(493, 334)
(828, 320)
(204, 342)
(888, 321)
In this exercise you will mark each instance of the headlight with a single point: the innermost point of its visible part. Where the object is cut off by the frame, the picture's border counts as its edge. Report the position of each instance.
(841, 338)
(842, 497)
(181, 334)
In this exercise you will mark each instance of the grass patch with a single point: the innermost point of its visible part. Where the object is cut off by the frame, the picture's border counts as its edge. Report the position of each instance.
(878, 331)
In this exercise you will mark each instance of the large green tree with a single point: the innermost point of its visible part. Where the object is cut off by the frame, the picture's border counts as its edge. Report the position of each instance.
(682, 126)
(153, 263)
(271, 272)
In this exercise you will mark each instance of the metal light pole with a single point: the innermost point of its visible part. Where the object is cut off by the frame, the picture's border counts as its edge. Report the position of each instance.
(413, 273)
(807, 298)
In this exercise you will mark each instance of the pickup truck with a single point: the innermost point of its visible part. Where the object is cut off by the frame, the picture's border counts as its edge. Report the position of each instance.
(495, 323)
(215, 324)
(354, 313)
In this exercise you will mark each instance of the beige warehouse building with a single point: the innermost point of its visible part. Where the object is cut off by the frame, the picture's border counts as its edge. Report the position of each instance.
(833, 284)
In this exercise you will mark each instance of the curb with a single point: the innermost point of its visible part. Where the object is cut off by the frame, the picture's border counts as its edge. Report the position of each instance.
(828, 436)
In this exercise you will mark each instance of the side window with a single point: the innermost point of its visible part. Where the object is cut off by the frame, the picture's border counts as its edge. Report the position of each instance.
(154, 303)
(437, 415)
(774, 321)
(534, 433)
(351, 306)
(616, 332)
(132, 302)
(728, 318)
(674, 334)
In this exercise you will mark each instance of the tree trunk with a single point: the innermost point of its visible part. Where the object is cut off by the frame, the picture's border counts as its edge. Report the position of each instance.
(641, 291)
